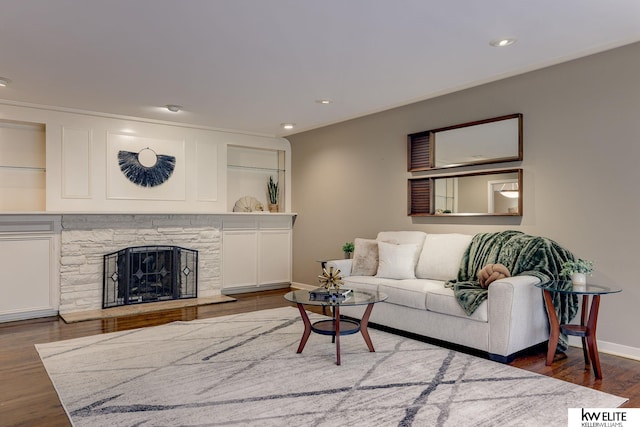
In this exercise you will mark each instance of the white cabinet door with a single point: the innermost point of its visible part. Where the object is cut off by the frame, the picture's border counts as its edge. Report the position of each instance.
(256, 252)
(274, 257)
(28, 286)
(239, 258)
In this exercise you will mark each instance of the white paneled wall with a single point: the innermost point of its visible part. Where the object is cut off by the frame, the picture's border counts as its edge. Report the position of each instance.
(65, 203)
(72, 160)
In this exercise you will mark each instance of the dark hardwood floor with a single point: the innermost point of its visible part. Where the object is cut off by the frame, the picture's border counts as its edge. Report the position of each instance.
(27, 397)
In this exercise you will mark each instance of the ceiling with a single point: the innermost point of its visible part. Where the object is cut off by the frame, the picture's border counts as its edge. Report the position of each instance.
(251, 65)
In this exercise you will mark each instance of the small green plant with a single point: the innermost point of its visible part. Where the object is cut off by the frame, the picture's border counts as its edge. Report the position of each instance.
(348, 247)
(578, 266)
(272, 188)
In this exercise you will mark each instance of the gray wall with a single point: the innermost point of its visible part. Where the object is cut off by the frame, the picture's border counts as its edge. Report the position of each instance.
(581, 152)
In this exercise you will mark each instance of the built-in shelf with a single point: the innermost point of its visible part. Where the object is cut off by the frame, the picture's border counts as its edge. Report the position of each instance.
(22, 166)
(255, 168)
(26, 168)
(248, 172)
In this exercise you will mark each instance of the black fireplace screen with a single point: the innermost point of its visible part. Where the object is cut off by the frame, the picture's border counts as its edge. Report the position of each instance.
(149, 273)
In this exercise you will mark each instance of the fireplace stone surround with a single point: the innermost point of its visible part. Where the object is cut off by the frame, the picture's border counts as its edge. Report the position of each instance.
(86, 238)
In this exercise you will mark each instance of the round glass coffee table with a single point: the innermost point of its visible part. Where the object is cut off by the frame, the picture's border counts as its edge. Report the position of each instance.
(587, 327)
(336, 326)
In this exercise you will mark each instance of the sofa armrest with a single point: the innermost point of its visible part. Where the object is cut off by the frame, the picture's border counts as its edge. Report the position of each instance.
(344, 265)
(517, 316)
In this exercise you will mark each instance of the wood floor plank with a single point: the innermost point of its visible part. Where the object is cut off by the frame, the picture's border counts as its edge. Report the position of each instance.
(27, 397)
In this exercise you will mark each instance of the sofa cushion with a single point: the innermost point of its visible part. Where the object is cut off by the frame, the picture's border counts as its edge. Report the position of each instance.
(363, 283)
(365, 257)
(442, 300)
(441, 256)
(410, 293)
(396, 261)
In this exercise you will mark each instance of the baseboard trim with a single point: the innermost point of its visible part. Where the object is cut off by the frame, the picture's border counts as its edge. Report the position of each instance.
(610, 348)
(298, 285)
(26, 315)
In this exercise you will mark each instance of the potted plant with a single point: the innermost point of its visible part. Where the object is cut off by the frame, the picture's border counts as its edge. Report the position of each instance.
(577, 270)
(273, 190)
(347, 248)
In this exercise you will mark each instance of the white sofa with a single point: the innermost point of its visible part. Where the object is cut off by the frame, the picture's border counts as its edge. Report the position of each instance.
(512, 319)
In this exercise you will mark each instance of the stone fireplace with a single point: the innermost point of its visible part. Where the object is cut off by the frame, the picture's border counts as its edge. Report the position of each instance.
(86, 238)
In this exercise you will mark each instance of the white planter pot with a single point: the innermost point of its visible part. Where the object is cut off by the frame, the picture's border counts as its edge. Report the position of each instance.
(579, 279)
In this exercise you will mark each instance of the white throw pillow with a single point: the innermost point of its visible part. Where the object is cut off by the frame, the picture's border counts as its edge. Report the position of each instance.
(396, 261)
(365, 257)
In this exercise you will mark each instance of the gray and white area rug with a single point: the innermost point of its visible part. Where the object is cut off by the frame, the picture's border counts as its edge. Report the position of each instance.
(243, 370)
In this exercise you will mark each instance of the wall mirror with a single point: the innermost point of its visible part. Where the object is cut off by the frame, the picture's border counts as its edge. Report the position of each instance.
(481, 193)
(494, 140)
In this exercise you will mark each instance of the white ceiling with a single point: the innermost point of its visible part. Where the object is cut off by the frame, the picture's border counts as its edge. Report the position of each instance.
(250, 65)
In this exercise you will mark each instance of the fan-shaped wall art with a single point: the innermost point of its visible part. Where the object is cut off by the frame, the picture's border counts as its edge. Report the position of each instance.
(146, 168)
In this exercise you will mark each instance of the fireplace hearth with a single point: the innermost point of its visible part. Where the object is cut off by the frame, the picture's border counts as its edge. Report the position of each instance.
(144, 274)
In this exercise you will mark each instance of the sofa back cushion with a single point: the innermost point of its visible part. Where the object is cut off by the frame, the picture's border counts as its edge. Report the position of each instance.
(441, 256)
(402, 237)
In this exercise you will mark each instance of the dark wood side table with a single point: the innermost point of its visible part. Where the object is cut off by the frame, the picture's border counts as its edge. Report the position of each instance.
(588, 318)
(323, 263)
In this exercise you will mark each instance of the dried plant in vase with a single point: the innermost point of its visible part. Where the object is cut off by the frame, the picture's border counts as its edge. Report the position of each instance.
(273, 191)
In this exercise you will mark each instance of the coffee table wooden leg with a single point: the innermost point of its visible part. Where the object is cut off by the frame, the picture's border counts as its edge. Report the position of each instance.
(333, 314)
(364, 329)
(337, 333)
(591, 336)
(307, 327)
(554, 327)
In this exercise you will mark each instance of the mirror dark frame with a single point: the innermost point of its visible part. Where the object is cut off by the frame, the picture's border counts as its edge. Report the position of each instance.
(421, 194)
(422, 147)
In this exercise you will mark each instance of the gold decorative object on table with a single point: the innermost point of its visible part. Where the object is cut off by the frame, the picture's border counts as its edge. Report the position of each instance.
(330, 280)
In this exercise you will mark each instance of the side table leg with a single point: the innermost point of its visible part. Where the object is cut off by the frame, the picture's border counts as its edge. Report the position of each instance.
(337, 334)
(583, 322)
(307, 327)
(554, 327)
(591, 336)
(363, 327)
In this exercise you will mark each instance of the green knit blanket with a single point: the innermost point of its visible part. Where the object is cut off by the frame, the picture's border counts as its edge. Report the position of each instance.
(522, 254)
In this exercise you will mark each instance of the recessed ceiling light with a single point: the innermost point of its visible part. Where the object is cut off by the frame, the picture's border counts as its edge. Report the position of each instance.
(173, 108)
(4, 82)
(288, 125)
(324, 101)
(502, 42)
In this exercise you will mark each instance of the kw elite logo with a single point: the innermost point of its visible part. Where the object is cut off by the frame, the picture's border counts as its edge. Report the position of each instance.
(603, 417)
